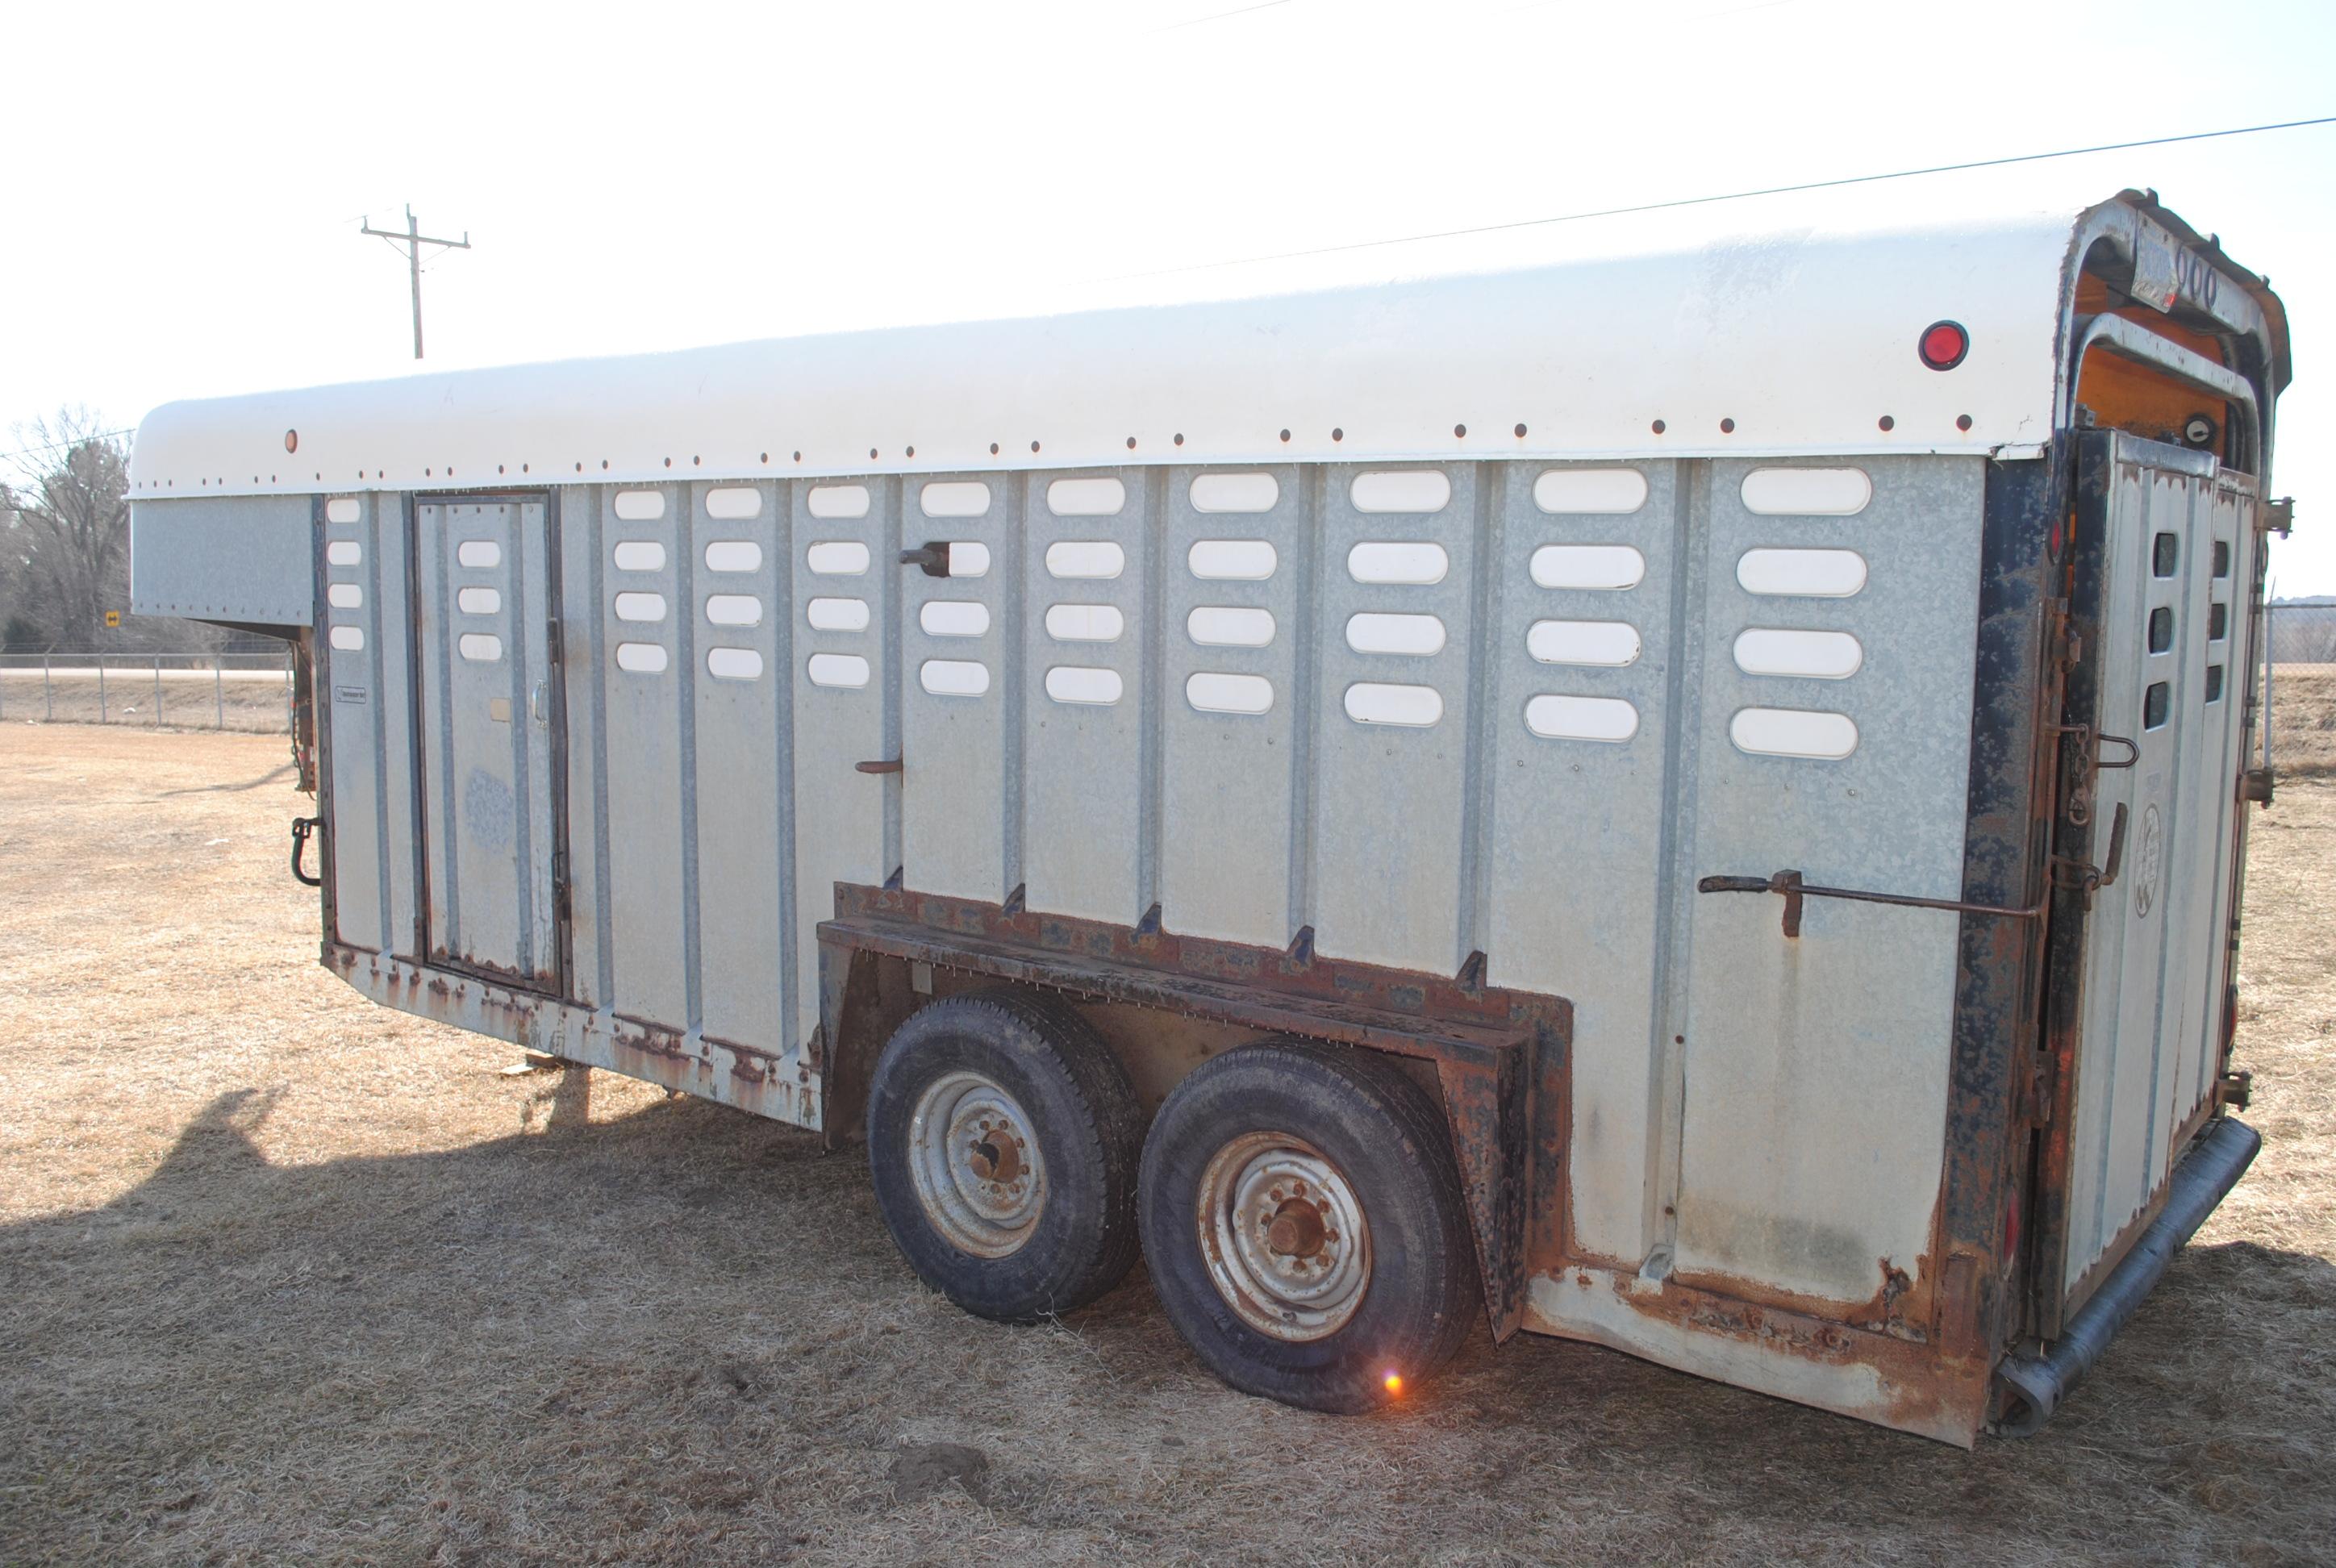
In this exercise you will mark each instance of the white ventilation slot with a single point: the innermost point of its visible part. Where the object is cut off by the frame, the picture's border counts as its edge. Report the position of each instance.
(734, 609)
(837, 557)
(955, 498)
(1083, 558)
(1078, 683)
(1590, 490)
(954, 618)
(1793, 732)
(1607, 644)
(1085, 623)
(1086, 497)
(345, 596)
(640, 505)
(639, 555)
(1229, 626)
(731, 503)
(641, 657)
(734, 664)
(1232, 560)
(1807, 492)
(1804, 573)
(969, 558)
(734, 555)
(953, 676)
(837, 614)
(1813, 655)
(479, 554)
(837, 500)
(1401, 490)
(1411, 706)
(1398, 561)
(344, 552)
(1601, 718)
(846, 670)
(479, 646)
(1234, 493)
(1212, 692)
(1417, 635)
(642, 607)
(344, 509)
(479, 601)
(348, 638)
(1601, 567)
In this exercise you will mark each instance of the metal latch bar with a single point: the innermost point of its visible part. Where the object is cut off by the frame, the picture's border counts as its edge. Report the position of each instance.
(1790, 885)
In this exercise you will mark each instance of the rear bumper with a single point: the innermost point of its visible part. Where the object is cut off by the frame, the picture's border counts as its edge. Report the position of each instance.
(2032, 1387)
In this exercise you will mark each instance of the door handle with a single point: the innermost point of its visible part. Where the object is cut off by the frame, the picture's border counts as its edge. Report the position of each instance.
(538, 701)
(890, 764)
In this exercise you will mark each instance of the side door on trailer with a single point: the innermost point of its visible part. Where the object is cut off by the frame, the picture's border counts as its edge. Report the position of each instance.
(2167, 557)
(492, 740)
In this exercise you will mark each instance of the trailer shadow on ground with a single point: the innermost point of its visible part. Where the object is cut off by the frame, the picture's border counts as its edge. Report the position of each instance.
(285, 1276)
(683, 1333)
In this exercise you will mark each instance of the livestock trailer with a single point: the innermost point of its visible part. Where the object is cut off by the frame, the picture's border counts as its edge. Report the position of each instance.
(1687, 793)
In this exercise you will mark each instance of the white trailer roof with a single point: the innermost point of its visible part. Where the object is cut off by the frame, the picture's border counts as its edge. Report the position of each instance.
(1664, 334)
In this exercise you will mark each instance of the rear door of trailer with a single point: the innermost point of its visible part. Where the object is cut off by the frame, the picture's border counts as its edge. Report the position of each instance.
(2165, 564)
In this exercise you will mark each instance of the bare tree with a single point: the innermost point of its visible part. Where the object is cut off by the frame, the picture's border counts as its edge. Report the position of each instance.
(67, 528)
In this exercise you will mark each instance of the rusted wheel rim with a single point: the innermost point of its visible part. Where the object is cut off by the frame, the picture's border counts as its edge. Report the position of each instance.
(1285, 1237)
(975, 1162)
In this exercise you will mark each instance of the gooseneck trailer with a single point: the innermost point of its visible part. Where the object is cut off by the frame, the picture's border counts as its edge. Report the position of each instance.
(1687, 794)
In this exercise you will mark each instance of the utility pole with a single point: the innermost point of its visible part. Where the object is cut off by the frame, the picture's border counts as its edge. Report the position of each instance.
(414, 239)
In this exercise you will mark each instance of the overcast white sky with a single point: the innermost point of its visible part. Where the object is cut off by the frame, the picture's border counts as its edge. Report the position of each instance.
(189, 179)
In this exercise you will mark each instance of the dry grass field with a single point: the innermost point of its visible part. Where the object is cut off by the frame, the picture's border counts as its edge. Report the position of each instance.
(288, 1278)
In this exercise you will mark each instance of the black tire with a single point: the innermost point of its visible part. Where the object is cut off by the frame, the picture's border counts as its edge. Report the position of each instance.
(1084, 1116)
(1387, 1139)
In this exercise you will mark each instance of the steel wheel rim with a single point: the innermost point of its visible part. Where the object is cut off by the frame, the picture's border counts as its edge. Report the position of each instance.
(975, 1164)
(1284, 1235)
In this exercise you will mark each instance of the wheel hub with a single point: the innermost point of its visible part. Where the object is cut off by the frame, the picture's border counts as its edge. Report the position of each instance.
(1284, 1235)
(975, 1165)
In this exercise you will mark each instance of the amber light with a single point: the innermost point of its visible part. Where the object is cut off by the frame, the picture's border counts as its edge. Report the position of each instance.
(1943, 345)
(1394, 1381)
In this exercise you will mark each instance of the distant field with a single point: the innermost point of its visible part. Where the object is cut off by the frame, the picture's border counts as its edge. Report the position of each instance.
(292, 1279)
(235, 699)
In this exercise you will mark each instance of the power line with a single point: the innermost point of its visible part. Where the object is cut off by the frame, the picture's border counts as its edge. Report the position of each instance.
(1731, 196)
(414, 239)
(68, 444)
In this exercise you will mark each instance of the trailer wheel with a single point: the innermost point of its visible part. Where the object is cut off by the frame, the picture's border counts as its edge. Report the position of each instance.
(1003, 1138)
(1304, 1225)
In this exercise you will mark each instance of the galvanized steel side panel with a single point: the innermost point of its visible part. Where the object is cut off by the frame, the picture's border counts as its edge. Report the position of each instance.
(1579, 886)
(1089, 707)
(1391, 772)
(2158, 960)
(644, 747)
(487, 738)
(962, 711)
(222, 558)
(1236, 720)
(349, 692)
(845, 598)
(744, 721)
(583, 660)
(1815, 1069)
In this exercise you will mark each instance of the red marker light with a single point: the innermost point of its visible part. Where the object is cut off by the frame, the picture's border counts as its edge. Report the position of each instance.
(1943, 345)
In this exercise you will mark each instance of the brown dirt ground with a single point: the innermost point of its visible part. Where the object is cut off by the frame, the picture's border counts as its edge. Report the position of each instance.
(287, 1278)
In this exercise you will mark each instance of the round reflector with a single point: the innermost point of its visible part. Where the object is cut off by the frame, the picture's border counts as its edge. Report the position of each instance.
(1943, 345)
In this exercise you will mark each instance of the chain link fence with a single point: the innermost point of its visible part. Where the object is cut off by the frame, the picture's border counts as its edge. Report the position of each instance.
(2302, 633)
(227, 691)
